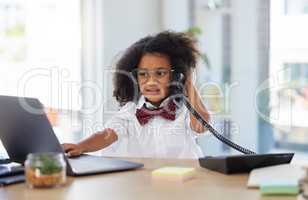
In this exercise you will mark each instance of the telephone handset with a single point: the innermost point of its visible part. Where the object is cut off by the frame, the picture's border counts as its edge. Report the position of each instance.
(177, 89)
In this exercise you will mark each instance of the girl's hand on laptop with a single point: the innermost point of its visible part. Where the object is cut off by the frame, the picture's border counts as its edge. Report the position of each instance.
(95, 142)
(72, 149)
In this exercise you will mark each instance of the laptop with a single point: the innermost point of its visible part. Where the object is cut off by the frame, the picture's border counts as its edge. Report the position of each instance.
(24, 129)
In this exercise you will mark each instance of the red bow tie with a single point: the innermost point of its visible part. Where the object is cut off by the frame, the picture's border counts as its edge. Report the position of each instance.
(168, 112)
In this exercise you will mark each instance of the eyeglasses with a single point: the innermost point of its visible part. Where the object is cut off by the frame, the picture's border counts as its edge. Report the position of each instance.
(143, 75)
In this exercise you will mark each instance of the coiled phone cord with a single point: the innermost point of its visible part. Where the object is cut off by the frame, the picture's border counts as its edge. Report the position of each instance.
(213, 131)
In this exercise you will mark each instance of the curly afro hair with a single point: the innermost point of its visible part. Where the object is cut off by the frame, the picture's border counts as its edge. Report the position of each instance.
(179, 48)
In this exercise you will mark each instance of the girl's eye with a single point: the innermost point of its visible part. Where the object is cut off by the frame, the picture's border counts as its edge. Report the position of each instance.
(161, 73)
(142, 73)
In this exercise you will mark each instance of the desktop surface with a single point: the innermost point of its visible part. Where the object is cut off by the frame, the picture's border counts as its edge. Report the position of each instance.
(138, 184)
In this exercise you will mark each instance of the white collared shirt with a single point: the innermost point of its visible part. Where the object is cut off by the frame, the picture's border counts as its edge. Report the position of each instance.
(159, 138)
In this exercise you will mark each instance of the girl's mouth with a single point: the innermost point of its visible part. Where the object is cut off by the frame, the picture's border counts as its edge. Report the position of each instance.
(152, 91)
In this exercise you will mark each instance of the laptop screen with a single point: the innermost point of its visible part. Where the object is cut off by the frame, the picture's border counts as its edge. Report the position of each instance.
(24, 128)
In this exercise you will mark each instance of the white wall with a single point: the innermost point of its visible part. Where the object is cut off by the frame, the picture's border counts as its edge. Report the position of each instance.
(127, 21)
(244, 71)
(176, 14)
(211, 41)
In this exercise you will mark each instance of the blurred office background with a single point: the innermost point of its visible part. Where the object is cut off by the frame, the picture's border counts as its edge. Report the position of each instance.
(253, 75)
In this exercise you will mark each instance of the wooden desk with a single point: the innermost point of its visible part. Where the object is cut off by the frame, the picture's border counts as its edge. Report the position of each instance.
(208, 185)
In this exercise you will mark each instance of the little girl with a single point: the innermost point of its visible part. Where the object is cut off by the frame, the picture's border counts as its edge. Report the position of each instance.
(151, 121)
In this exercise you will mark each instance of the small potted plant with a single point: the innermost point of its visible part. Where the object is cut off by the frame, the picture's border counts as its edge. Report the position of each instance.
(45, 170)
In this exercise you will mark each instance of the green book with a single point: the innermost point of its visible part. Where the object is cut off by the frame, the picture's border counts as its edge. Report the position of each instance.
(279, 188)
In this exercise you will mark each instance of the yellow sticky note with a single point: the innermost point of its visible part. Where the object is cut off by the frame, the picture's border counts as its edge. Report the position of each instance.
(174, 173)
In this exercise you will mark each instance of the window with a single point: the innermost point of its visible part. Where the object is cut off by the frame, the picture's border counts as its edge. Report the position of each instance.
(289, 65)
(294, 98)
(40, 56)
(296, 7)
(296, 72)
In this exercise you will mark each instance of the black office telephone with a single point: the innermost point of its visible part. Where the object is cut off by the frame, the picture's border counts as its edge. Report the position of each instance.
(227, 164)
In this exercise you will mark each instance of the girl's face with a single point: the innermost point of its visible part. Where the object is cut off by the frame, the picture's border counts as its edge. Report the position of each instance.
(154, 74)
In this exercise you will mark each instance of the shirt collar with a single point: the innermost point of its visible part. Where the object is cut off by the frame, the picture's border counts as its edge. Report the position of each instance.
(143, 101)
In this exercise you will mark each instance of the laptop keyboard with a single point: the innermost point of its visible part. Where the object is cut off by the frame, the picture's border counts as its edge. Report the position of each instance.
(4, 161)
(9, 171)
(87, 163)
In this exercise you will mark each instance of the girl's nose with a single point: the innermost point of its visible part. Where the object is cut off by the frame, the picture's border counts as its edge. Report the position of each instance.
(152, 79)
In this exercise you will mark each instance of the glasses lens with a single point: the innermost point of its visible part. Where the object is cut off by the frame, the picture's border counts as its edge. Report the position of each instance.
(161, 73)
(143, 74)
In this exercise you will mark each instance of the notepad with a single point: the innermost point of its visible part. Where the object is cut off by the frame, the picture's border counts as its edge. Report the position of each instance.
(279, 188)
(174, 173)
(285, 173)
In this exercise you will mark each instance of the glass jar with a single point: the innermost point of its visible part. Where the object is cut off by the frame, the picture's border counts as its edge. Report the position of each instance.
(45, 170)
